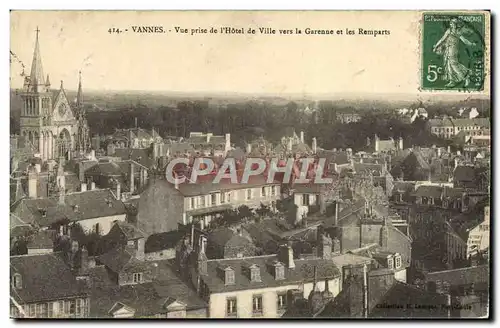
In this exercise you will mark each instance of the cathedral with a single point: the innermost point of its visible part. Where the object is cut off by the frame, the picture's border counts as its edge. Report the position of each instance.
(54, 126)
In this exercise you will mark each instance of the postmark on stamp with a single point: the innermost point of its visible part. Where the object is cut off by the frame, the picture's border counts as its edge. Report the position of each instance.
(453, 51)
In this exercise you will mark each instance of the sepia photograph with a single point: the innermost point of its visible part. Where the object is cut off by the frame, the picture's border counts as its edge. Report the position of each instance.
(250, 164)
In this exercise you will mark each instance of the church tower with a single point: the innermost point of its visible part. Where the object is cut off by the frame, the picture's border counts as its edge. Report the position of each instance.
(37, 101)
(48, 121)
(83, 135)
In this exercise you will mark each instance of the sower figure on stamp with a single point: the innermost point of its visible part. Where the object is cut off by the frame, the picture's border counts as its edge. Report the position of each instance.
(449, 46)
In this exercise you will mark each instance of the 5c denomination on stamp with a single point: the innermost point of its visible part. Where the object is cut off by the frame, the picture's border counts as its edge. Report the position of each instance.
(453, 51)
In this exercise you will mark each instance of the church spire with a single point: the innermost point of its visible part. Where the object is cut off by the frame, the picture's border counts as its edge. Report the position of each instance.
(37, 76)
(79, 96)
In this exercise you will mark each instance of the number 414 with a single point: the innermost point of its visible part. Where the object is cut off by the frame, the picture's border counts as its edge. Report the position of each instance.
(433, 72)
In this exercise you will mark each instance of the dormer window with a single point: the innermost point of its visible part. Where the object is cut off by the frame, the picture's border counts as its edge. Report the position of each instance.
(17, 281)
(43, 212)
(390, 263)
(279, 271)
(137, 277)
(398, 261)
(229, 278)
(255, 273)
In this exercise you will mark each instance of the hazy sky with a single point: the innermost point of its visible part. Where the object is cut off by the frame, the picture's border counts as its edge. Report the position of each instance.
(73, 41)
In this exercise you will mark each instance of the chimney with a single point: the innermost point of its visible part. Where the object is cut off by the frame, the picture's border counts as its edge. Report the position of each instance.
(293, 295)
(285, 255)
(336, 214)
(314, 145)
(228, 143)
(62, 195)
(449, 149)
(324, 246)
(249, 148)
(202, 258)
(32, 183)
(456, 162)
(377, 145)
(92, 155)
(322, 203)
(365, 291)
(401, 143)
(289, 144)
(439, 152)
(302, 136)
(84, 260)
(118, 190)
(83, 187)
(81, 172)
(132, 177)
(139, 254)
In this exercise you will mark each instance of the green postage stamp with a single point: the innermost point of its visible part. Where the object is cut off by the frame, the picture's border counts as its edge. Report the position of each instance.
(453, 51)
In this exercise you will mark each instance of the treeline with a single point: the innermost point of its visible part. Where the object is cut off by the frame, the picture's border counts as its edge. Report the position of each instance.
(249, 120)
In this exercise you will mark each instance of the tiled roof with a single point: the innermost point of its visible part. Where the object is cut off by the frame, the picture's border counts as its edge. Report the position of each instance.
(141, 156)
(118, 258)
(77, 206)
(375, 169)
(146, 299)
(302, 273)
(464, 173)
(164, 240)
(44, 278)
(429, 191)
(42, 240)
(463, 276)
(130, 231)
(206, 186)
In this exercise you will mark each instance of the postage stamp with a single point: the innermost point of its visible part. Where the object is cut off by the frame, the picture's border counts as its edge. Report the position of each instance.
(453, 51)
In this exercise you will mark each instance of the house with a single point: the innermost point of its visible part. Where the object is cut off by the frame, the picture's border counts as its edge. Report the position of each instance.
(200, 202)
(468, 289)
(471, 177)
(44, 286)
(95, 210)
(468, 112)
(160, 295)
(133, 138)
(257, 287)
(377, 294)
(42, 242)
(379, 145)
(479, 236)
(448, 127)
(161, 246)
(346, 118)
(107, 172)
(125, 234)
(224, 243)
(208, 144)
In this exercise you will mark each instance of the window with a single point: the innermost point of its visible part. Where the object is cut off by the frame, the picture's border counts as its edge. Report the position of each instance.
(229, 276)
(137, 277)
(228, 200)
(305, 199)
(249, 194)
(263, 191)
(50, 310)
(398, 262)
(17, 281)
(192, 203)
(72, 307)
(231, 310)
(273, 190)
(390, 263)
(79, 307)
(281, 301)
(222, 198)
(202, 201)
(213, 198)
(255, 274)
(44, 310)
(257, 304)
(279, 271)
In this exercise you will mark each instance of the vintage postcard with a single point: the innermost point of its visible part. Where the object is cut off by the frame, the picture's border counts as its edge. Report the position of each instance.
(250, 164)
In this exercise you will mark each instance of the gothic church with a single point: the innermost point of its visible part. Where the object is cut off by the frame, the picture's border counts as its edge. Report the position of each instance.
(54, 126)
